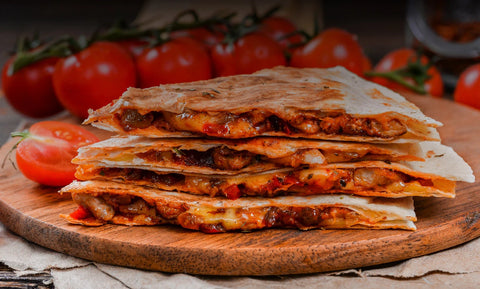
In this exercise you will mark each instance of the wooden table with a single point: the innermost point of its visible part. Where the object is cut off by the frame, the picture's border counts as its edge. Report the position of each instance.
(8, 279)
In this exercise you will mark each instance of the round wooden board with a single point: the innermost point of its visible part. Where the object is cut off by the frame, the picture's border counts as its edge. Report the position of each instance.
(32, 211)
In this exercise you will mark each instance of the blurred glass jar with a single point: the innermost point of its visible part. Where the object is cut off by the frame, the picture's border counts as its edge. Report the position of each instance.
(448, 31)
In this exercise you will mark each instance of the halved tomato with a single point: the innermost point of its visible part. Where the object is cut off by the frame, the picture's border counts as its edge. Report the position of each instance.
(46, 150)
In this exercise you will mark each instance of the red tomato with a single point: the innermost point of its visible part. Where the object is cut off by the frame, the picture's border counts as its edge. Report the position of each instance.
(467, 90)
(93, 77)
(134, 46)
(398, 59)
(178, 60)
(30, 90)
(367, 64)
(45, 154)
(250, 53)
(330, 48)
(277, 28)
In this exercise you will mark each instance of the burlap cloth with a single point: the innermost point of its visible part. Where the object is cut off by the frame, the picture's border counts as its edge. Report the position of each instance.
(458, 267)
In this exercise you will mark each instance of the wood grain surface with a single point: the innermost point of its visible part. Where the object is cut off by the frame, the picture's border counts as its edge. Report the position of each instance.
(31, 211)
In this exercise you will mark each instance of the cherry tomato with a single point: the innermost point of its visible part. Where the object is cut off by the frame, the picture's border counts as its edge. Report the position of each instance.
(277, 28)
(178, 60)
(45, 154)
(250, 53)
(400, 58)
(467, 90)
(30, 90)
(367, 64)
(93, 77)
(330, 48)
(134, 46)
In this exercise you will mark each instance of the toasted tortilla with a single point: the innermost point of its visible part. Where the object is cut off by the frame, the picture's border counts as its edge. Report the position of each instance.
(331, 104)
(111, 202)
(435, 176)
(231, 157)
(365, 181)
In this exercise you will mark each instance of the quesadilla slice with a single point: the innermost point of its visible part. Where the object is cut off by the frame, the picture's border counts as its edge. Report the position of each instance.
(432, 177)
(331, 104)
(232, 157)
(110, 202)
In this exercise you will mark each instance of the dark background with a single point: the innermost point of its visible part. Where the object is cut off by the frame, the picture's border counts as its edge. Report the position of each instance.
(379, 25)
(55, 18)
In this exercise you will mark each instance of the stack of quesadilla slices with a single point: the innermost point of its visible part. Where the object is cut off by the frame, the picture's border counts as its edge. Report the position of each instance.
(283, 147)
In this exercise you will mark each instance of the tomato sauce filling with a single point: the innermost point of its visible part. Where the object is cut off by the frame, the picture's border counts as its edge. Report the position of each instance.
(302, 182)
(253, 123)
(133, 210)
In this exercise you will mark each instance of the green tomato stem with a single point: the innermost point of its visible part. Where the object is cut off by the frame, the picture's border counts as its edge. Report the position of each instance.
(23, 134)
(398, 78)
(62, 47)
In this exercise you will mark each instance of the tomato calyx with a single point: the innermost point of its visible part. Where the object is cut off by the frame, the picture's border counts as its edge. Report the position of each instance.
(62, 47)
(121, 30)
(414, 70)
(209, 23)
(256, 18)
(250, 23)
(236, 31)
(162, 34)
(23, 135)
(306, 37)
(31, 51)
(291, 46)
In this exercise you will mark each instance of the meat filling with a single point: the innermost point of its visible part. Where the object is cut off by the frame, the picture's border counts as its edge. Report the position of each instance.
(221, 158)
(224, 158)
(303, 182)
(308, 217)
(137, 211)
(223, 124)
(108, 206)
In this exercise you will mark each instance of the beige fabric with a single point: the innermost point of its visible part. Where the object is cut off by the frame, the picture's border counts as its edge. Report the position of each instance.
(458, 267)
